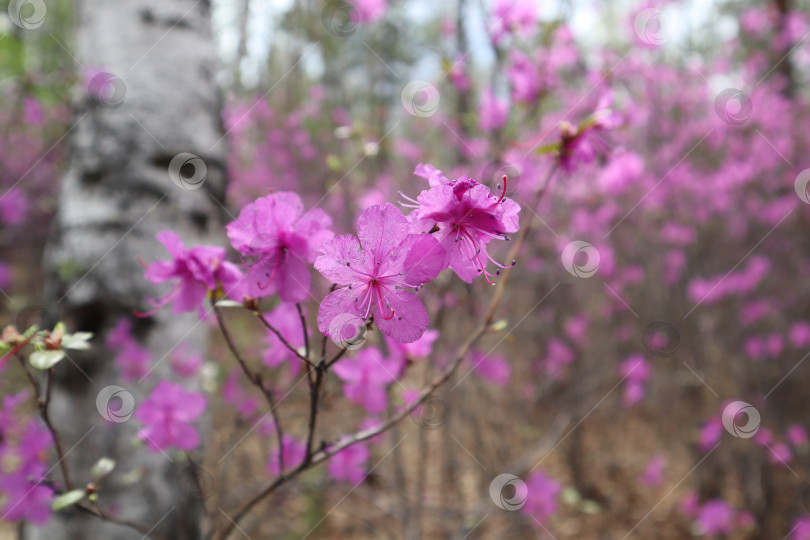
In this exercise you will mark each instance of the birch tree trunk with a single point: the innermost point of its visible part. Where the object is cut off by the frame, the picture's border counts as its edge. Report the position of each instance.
(152, 95)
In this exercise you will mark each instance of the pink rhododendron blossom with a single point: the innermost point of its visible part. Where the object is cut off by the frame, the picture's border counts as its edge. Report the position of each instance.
(635, 371)
(195, 272)
(24, 447)
(350, 464)
(368, 11)
(421, 348)
(379, 266)
(558, 356)
(494, 111)
(518, 16)
(286, 320)
(799, 334)
(133, 360)
(796, 435)
(491, 367)
(780, 454)
(710, 434)
(800, 529)
(234, 394)
(293, 453)
(185, 363)
(468, 216)
(277, 241)
(366, 377)
(715, 517)
(653, 474)
(542, 494)
(168, 415)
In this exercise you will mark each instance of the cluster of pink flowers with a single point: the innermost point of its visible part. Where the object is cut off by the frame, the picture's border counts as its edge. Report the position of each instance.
(24, 449)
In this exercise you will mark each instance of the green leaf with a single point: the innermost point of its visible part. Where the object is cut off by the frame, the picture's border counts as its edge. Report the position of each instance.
(548, 148)
(102, 468)
(45, 360)
(67, 499)
(77, 341)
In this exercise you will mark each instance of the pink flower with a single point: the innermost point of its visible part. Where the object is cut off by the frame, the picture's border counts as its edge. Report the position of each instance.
(378, 268)
(421, 348)
(168, 415)
(368, 11)
(186, 363)
(508, 16)
(801, 529)
(715, 517)
(293, 452)
(25, 465)
(541, 498)
(494, 111)
(524, 76)
(286, 320)
(799, 334)
(635, 371)
(366, 377)
(579, 144)
(796, 435)
(492, 368)
(654, 472)
(558, 355)
(349, 464)
(710, 434)
(780, 454)
(133, 361)
(277, 243)
(468, 217)
(195, 271)
(234, 394)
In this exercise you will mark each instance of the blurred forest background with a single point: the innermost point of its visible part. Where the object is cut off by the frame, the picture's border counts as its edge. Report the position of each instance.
(605, 386)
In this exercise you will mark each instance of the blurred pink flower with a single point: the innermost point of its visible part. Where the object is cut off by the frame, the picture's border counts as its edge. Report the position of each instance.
(715, 517)
(286, 320)
(494, 111)
(293, 453)
(796, 435)
(653, 474)
(349, 464)
(168, 415)
(195, 272)
(541, 498)
(366, 377)
(799, 334)
(369, 11)
(491, 367)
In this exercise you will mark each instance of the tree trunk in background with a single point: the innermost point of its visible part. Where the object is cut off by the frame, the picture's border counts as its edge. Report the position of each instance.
(116, 195)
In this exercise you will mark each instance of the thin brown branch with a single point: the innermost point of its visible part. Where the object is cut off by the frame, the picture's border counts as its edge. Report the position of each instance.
(281, 338)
